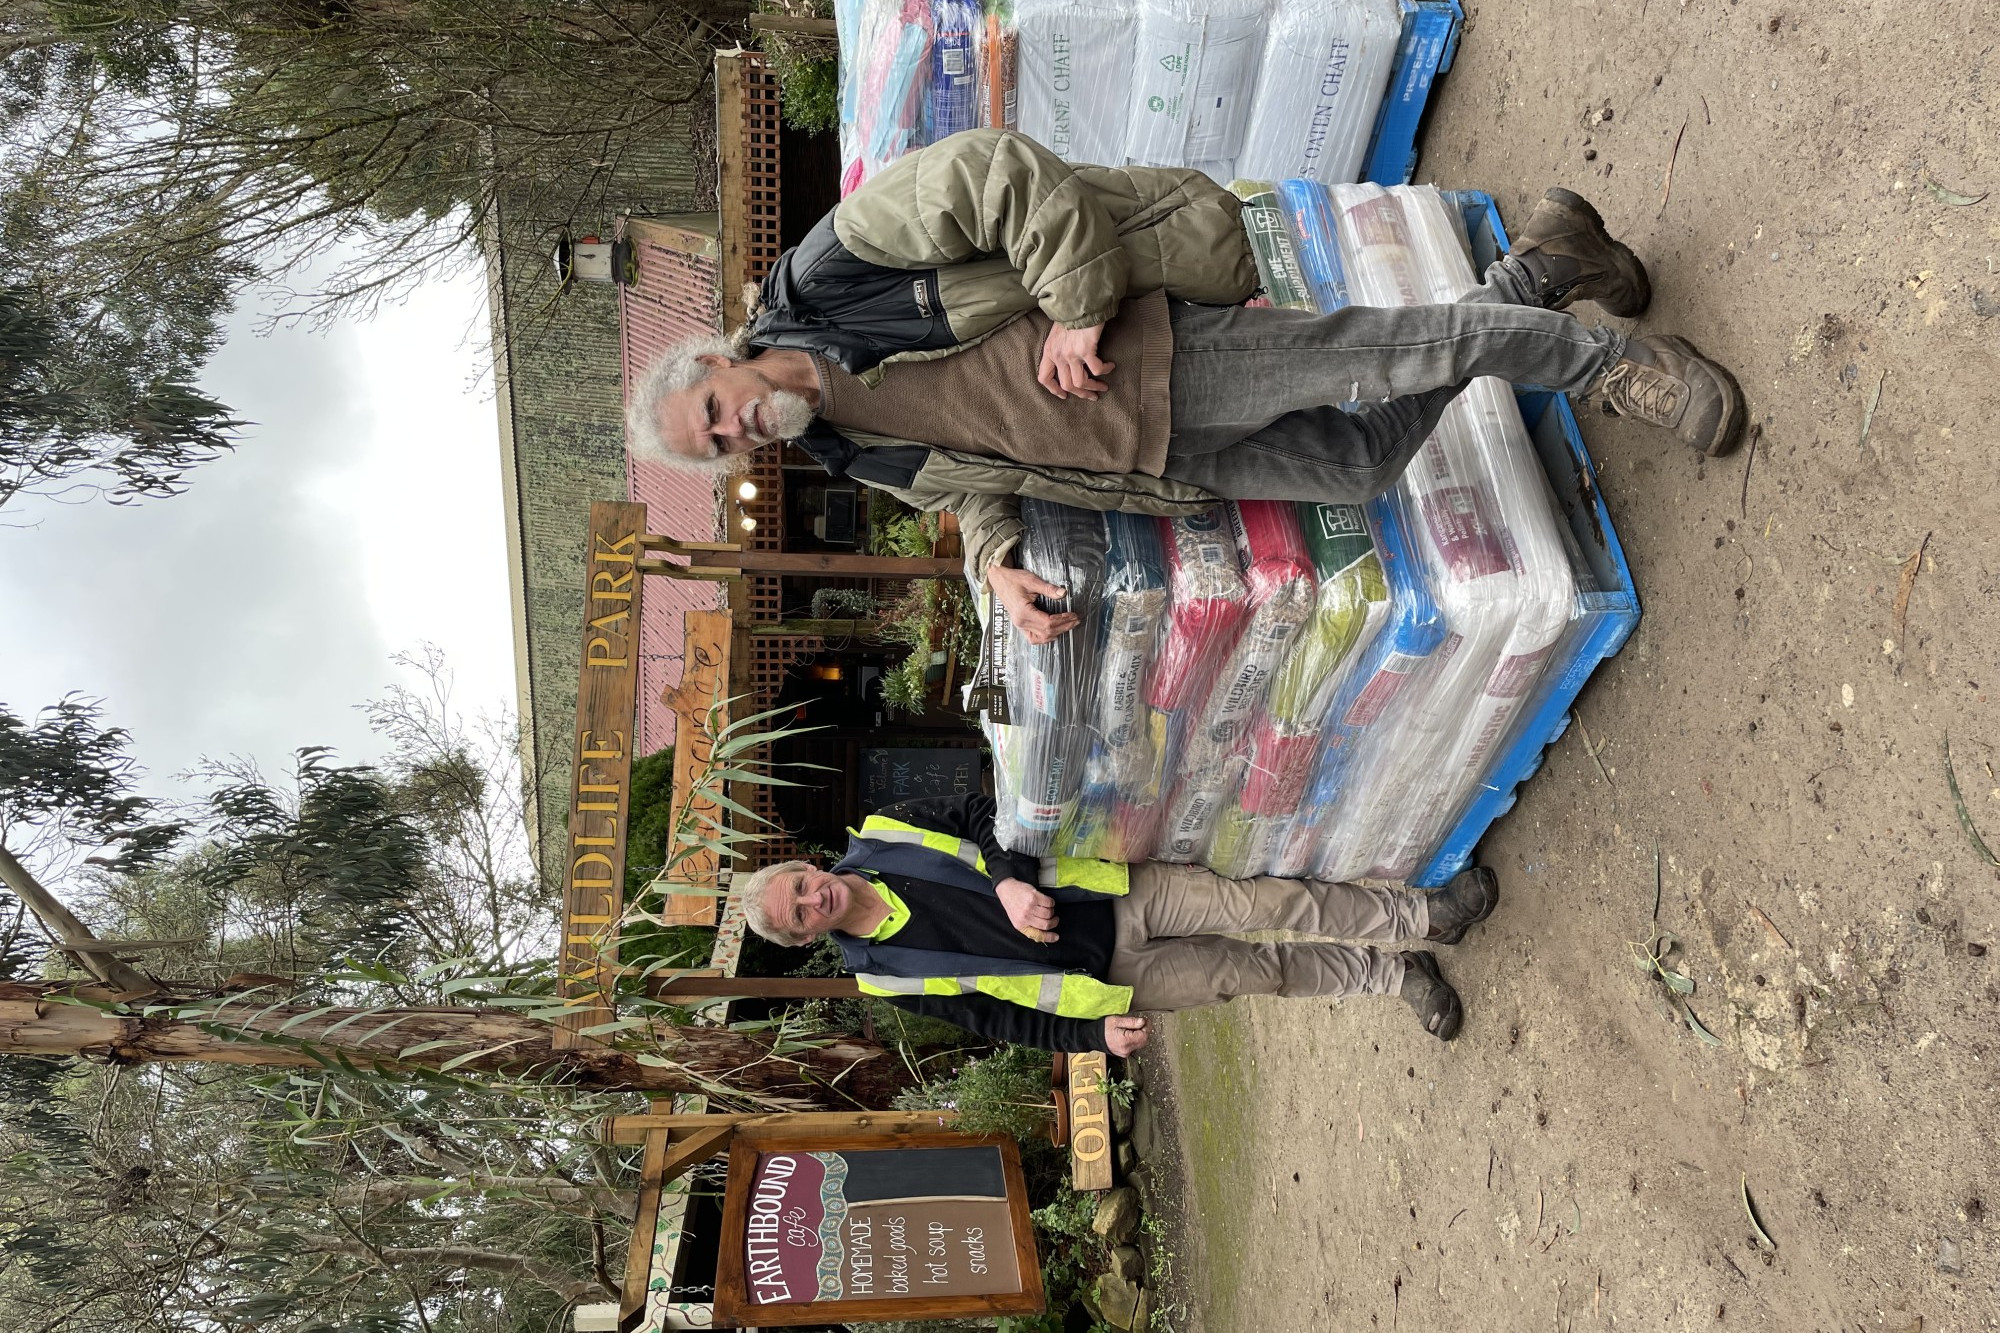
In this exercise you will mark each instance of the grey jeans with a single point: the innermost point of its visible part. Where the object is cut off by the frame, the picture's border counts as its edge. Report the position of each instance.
(1173, 945)
(1256, 391)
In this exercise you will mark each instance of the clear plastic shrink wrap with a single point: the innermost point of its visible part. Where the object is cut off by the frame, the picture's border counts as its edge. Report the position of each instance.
(952, 101)
(884, 77)
(1073, 76)
(1194, 74)
(1051, 687)
(1349, 610)
(999, 52)
(1325, 66)
(1485, 529)
(1207, 602)
(1123, 747)
(1278, 271)
(1279, 587)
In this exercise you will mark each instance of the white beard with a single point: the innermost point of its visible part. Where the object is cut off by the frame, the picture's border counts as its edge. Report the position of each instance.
(790, 415)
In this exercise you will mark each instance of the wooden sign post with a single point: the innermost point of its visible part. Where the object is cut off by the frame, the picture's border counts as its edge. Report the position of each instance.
(607, 696)
(819, 1229)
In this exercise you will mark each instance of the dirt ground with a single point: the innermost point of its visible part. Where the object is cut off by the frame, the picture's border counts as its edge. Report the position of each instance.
(1576, 1159)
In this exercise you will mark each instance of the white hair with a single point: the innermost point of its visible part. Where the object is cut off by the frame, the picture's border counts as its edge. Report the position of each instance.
(757, 907)
(678, 368)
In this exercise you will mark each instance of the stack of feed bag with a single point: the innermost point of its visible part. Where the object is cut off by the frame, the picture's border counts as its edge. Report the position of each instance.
(1260, 88)
(1297, 688)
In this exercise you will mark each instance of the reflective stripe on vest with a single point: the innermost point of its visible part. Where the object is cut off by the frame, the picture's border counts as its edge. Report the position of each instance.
(1065, 994)
(881, 828)
(1112, 878)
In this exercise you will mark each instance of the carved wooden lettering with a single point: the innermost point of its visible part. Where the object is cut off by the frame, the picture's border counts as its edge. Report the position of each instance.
(1089, 1122)
(601, 779)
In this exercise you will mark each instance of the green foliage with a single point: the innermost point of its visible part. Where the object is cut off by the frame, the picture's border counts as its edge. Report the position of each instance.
(65, 777)
(907, 534)
(1007, 1092)
(86, 402)
(842, 604)
(1072, 1254)
(811, 96)
(934, 615)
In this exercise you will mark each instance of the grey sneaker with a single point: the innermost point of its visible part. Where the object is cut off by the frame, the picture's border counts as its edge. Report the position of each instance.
(1431, 996)
(1665, 382)
(1469, 899)
(1569, 255)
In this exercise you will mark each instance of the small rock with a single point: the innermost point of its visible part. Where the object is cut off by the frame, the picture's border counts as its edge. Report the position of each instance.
(1145, 1134)
(1117, 1215)
(1948, 1259)
(1121, 1118)
(1117, 1301)
(1128, 1157)
(1141, 1179)
(1142, 1317)
(1604, 114)
(1984, 306)
(1976, 950)
(1128, 1263)
(1590, 154)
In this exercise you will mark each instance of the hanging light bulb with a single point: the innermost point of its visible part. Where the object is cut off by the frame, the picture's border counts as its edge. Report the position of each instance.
(749, 523)
(746, 490)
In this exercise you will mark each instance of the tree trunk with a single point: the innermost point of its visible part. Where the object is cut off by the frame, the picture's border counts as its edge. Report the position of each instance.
(586, 1200)
(46, 1019)
(59, 919)
(559, 1280)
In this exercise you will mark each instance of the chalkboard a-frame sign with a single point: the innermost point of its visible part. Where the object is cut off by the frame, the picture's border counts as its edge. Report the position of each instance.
(823, 1229)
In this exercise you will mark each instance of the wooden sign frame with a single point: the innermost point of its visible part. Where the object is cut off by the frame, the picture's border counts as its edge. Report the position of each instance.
(733, 1305)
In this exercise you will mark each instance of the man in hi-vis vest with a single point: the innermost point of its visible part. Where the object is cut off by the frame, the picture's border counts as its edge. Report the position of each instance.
(1062, 953)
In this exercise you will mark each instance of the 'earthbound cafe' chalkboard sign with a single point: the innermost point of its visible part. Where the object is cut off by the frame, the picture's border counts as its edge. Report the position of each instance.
(906, 1226)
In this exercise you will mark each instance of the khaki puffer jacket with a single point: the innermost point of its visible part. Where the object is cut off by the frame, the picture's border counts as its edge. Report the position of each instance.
(959, 238)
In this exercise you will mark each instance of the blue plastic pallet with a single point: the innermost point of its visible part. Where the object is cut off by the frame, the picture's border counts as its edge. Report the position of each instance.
(1611, 612)
(1426, 49)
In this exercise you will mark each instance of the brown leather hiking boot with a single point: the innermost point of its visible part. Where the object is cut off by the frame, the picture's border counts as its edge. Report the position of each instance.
(1665, 382)
(1570, 257)
(1426, 991)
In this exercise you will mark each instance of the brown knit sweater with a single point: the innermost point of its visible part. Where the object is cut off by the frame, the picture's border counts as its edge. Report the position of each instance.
(985, 400)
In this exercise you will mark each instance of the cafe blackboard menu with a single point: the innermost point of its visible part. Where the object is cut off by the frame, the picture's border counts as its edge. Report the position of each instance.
(892, 1227)
(888, 776)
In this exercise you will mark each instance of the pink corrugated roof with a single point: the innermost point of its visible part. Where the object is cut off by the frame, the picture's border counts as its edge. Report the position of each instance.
(675, 295)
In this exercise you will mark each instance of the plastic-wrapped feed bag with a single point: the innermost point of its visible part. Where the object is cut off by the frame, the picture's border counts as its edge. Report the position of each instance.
(999, 50)
(1051, 687)
(1271, 243)
(1547, 590)
(1195, 66)
(1367, 687)
(885, 68)
(1308, 209)
(1325, 66)
(1073, 74)
(1207, 602)
(1134, 607)
(1278, 581)
(1352, 604)
(1123, 747)
(952, 102)
(1486, 530)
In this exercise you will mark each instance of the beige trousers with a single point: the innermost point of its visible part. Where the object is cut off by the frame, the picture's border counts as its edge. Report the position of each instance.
(1174, 947)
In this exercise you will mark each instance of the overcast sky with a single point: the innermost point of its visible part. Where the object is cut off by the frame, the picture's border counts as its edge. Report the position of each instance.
(359, 517)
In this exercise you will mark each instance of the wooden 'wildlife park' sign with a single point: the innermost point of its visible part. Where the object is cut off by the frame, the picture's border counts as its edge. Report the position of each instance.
(600, 791)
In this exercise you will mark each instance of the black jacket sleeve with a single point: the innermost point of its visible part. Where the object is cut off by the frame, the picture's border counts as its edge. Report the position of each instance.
(997, 1020)
(969, 817)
